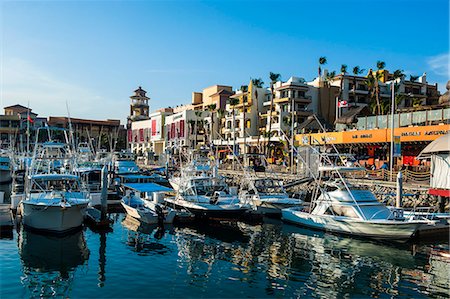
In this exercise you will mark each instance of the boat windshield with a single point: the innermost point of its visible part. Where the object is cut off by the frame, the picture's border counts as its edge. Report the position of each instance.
(269, 186)
(208, 187)
(42, 185)
(377, 211)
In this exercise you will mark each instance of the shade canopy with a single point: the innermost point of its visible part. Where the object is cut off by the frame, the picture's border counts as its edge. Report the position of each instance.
(147, 187)
(440, 145)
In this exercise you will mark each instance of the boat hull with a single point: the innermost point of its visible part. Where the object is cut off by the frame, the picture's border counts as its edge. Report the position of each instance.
(144, 216)
(209, 210)
(5, 176)
(388, 230)
(53, 218)
(271, 208)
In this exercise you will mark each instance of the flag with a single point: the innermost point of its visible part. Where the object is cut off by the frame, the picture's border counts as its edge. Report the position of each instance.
(342, 104)
(29, 119)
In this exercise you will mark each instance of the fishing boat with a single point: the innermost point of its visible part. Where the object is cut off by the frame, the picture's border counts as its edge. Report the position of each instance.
(207, 197)
(5, 168)
(54, 203)
(55, 199)
(267, 196)
(337, 206)
(144, 201)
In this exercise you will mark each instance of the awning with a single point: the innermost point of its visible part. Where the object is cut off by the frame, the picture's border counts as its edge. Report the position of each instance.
(147, 187)
(135, 176)
(311, 124)
(440, 145)
(351, 116)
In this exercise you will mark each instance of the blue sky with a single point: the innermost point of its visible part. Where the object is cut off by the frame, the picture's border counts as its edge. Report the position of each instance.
(93, 54)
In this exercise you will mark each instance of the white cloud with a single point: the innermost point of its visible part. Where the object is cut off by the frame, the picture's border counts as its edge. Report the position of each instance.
(23, 82)
(439, 64)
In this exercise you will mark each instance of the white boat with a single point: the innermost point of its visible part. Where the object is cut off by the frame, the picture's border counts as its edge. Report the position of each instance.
(5, 169)
(54, 203)
(340, 207)
(266, 195)
(144, 201)
(55, 198)
(207, 197)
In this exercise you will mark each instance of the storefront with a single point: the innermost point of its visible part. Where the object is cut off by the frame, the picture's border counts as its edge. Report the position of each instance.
(372, 147)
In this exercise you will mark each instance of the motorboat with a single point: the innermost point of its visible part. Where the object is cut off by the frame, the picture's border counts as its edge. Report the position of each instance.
(124, 163)
(55, 198)
(207, 197)
(337, 206)
(5, 168)
(200, 164)
(144, 201)
(267, 196)
(54, 203)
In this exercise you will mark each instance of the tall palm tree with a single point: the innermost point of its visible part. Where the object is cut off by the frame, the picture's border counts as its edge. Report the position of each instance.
(257, 82)
(198, 114)
(330, 78)
(322, 61)
(370, 82)
(233, 102)
(220, 115)
(244, 89)
(343, 72)
(378, 75)
(398, 74)
(211, 108)
(273, 79)
(356, 71)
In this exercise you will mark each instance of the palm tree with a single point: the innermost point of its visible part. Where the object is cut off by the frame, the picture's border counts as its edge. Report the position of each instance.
(233, 102)
(322, 61)
(211, 108)
(244, 89)
(378, 76)
(258, 82)
(370, 82)
(330, 78)
(398, 74)
(220, 115)
(413, 78)
(343, 72)
(273, 79)
(198, 114)
(356, 71)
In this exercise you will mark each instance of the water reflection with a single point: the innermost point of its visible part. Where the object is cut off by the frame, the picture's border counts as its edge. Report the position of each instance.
(288, 261)
(143, 238)
(50, 262)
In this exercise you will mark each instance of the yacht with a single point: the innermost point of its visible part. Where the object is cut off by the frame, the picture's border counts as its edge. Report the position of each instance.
(207, 197)
(266, 196)
(337, 206)
(55, 198)
(54, 203)
(143, 201)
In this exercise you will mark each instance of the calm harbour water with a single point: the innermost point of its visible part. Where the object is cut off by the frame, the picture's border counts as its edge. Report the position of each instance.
(217, 260)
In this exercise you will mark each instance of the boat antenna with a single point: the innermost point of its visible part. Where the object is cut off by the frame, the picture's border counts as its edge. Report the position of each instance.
(72, 140)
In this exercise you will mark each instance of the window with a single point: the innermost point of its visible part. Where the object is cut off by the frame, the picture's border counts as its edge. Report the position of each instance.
(248, 124)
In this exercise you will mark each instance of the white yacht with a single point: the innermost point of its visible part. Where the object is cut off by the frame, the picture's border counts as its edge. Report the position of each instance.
(207, 197)
(54, 203)
(143, 201)
(267, 196)
(55, 199)
(339, 207)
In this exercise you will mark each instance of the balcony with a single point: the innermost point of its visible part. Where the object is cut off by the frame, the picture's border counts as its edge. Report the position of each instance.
(139, 103)
(305, 99)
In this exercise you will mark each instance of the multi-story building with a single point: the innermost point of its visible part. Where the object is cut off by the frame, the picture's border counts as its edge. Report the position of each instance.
(294, 99)
(148, 135)
(185, 128)
(109, 134)
(17, 124)
(247, 120)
